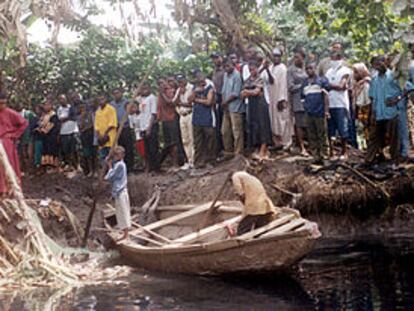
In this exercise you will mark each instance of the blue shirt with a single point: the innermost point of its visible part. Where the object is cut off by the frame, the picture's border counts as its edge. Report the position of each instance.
(411, 71)
(314, 96)
(203, 115)
(381, 89)
(120, 110)
(117, 175)
(232, 86)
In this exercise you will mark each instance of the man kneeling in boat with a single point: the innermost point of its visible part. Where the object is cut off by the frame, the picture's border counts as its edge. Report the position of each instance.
(258, 208)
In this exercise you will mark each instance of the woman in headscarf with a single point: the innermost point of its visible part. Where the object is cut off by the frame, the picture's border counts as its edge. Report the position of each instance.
(361, 101)
(258, 113)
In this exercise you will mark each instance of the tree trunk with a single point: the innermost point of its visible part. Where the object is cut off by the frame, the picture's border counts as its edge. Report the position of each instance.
(229, 24)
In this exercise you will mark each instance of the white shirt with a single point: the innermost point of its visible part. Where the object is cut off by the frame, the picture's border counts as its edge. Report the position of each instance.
(67, 127)
(184, 99)
(265, 77)
(147, 108)
(135, 124)
(245, 72)
(338, 99)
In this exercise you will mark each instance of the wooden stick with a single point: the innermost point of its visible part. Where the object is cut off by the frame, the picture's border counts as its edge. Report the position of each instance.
(163, 238)
(213, 207)
(143, 228)
(285, 191)
(118, 134)
(366, 179)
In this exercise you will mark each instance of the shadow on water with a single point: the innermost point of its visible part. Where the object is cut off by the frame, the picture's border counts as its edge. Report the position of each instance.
(367, 274)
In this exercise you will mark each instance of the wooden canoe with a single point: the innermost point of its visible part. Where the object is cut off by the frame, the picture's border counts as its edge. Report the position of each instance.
(175, 244)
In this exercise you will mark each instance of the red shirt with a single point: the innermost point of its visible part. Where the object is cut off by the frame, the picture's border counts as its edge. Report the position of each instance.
(12, 127)
(166, 111)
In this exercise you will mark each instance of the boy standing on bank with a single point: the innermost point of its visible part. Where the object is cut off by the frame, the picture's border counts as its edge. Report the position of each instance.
(316, 104)
(117, 175)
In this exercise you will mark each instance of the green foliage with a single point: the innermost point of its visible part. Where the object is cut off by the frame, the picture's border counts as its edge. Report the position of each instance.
(98, 63)
(370, 26)
(290, 24)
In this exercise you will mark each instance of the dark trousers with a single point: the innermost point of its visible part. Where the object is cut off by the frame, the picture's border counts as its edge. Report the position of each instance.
(204, 145)
(127, 141)
(385, 133)
(219, 119)
(68, 149)
(252, 222)
(318, 137)
(152, 152)
(352, 129)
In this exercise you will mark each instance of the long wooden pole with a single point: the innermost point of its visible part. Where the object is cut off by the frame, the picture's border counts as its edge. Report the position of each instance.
(118, 134)
(213, 206)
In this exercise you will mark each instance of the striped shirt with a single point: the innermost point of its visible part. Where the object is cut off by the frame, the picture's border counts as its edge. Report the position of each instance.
(313, 96)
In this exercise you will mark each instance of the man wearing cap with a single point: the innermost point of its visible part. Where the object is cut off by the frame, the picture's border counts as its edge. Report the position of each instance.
(184, 109)
(218, 79)
(280, 113)
(233, 111)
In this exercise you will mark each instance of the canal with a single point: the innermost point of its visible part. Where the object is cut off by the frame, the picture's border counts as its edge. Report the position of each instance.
(375, 272)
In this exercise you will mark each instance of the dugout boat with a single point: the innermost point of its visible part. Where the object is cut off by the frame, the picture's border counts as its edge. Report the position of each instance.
(176, 244)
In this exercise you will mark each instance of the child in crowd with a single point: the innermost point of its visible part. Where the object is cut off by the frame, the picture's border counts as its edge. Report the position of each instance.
(136, 124)
(316, 104)
(117, 175)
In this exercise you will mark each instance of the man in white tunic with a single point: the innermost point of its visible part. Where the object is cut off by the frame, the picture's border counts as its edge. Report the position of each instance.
(280, 113)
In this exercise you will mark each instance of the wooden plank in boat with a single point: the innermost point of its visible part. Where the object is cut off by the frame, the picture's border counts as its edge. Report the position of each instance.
(287, 227)
(272, 225)
(207, 231)
(173, 219)
(226, 206)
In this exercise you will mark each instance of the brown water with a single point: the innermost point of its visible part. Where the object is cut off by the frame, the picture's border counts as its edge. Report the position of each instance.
(367, 274)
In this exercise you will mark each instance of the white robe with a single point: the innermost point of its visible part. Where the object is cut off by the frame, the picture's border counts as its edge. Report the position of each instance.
(281, 121)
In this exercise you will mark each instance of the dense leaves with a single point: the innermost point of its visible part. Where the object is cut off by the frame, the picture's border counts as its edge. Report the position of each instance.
(108, 58)
(98, 63)
(371, 26)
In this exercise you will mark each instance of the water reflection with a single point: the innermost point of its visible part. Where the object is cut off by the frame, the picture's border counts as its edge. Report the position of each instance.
(367, 275)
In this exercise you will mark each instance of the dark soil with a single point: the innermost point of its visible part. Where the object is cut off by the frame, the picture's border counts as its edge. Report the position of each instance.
(334, 191)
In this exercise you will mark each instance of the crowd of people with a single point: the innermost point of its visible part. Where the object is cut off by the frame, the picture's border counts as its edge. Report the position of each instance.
(250, 106)
(247, 107)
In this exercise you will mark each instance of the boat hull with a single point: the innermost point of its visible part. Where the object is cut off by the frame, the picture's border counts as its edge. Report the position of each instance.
(275, 254)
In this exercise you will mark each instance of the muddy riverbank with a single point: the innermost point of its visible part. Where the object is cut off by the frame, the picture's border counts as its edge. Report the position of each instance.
(362, 262)
(351, 274)
(335, 197)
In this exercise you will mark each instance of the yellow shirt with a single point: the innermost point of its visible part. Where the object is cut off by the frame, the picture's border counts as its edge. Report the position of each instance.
(104, 119)
(256, 200)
